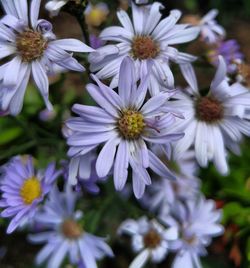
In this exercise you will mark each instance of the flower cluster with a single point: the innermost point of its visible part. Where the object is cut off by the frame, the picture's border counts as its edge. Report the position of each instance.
(141, 129)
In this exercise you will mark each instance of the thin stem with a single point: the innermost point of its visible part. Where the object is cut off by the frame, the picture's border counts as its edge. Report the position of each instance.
(77, 10)
(84, 28)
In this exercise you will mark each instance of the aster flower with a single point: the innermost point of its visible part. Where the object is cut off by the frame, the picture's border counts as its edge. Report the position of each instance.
(81, 171)
(23, 189)
(186, 186)
(198, 222)
(124, 124)
(65, 235)
(35, 51)
(145, 39)
(95, 41)
(212, 122)
(230, 50)
(95, 15)
(150, 239)
(211, 31)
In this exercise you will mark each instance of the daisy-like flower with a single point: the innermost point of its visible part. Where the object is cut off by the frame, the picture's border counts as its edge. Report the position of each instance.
(82, 171)
(145, 39)
(95, 15)
(230, 50)
(214, 121)
(65, 235)
(198, 222)
(34, 50)
(124, 124)
(150, 239)
(186, 186)
(211, 31)
(23, 189)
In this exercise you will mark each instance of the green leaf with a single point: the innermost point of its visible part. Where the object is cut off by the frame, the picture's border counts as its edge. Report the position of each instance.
(10, 134)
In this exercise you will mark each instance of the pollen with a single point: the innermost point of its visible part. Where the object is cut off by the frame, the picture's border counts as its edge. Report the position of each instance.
(30, 45)
(71, 229)
(209, 109)
(131, 124)
(152, 239)
(31, 190)
(144, 47)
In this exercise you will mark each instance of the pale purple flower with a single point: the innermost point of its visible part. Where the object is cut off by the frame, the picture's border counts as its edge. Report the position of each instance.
(124, 124)
(230, 50)
(145, 39)
(34, 50)
(81, 170)
(198, 221)
(54, 6)
(64, 235)
(211, 31)
(150, 239)
(95, 41)
(140, 2)
(212, 122)
(47, 115)
(23, 189)
(186, 186)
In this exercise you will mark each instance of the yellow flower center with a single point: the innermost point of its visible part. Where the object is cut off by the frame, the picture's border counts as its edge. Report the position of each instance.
(209, 109)
(144, 47)
(31, 190)
(71, 229)
(96, 17)
(152, 239)
(131, 124)
(30, 45)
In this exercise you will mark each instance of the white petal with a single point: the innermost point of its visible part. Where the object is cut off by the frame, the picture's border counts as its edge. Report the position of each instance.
(140, 260)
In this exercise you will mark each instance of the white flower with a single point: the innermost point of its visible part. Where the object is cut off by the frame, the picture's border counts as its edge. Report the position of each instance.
(65, 236)
(211, 31)
(29, 48)
(149, 238)
(212, 122)
(147, 39)
(197, 222)
(186, 186)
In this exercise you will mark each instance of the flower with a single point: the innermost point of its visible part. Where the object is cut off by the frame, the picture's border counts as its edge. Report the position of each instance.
(81, 170)
(46, 115)
(95, 41)
(211, 31)
(65, 234)
(123, 121)
(212, 122)
(54, 6)
(32, 44)
(23, 189)
(149, 238)
(146, 39)
(95, 15)
(197, 221)
(163, 191)
(230, 50)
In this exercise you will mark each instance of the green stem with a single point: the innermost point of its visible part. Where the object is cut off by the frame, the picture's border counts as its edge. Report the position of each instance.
(18, 150)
